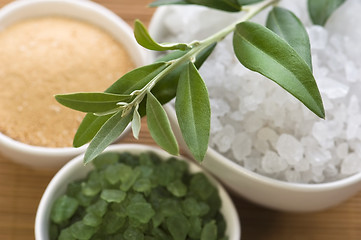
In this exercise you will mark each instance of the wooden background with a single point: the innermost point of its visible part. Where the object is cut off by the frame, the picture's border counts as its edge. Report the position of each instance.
(21, 188)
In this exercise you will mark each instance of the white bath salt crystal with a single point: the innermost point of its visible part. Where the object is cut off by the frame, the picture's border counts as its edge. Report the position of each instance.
(334, 127)
(342, 150)
(318, 36)
(353, 125)
(351, 164)
(318, 178)
(269, 135)
(306, 176)
(224, 138)
(289, 148)
(352, 72)
(251, 163)
(292, 176)
(317, 156)
(333, 89)
(302, 165)
(253, 123)
(216, 124)
(241, 146)
(320, 133)
(237, 116)
(261, 145)
(272, 163)
(353, 106)
(219, 107)
(317, 170)
(330, 171)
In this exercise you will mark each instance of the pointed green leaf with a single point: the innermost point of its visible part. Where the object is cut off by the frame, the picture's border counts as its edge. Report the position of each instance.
(133, 80)
(91, 102)
(321, 10)
(145, 40)
(166, 88)
(136, 123)
(107, 134)
(159, 126)
(248, 2)
(193, 111)
(286, 25)
(136, 79)
(88, 128)
(262, 51)
(224, 5)
(167, 2)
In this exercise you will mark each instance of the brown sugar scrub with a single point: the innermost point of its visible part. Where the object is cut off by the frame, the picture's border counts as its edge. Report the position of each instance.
(46, 56)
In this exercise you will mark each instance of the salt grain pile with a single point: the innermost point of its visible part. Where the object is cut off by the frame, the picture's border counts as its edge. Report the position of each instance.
(263, 128)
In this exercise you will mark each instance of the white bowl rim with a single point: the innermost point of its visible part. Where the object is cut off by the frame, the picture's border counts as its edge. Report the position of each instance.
(57, 180)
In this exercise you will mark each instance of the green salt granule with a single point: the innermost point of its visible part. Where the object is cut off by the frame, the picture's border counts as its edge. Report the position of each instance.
(133, 234)
(99, 208)
(195, 229)
(112, 195)
(65, 234)
(112, 222)
(177, 188)
(128, 182)
(81, 231)
(192, 207)
(178, 226)
(93, 186)
(142, 185)
(92, 220)
(63, 209)
(105, 159)
(112, 173)
(209, 231)
(130, 197)
(201, 187)
(141, 211)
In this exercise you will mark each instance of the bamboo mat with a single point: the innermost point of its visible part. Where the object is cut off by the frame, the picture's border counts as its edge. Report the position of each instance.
(21, 188)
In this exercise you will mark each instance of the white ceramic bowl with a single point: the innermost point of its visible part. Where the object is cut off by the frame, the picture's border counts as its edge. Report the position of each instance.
(75, 169)
(45, 157)
(259, 189)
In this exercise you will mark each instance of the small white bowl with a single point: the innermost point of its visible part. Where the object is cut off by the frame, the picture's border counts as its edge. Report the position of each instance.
(46, 157)
(75, 169)
(259, 189)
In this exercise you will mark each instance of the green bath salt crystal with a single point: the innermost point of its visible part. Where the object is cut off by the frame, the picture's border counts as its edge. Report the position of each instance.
(131, 197)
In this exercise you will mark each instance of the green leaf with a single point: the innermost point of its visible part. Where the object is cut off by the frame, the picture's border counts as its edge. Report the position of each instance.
(262, 51)
(167, 2)
(165, 90)
(286, 25)
(321, 10)
(145, 40)
(224, 5)
(159, 126)
(89, 128)
(133, 80)
(248, 2)
(106, 135)
(136, 123)
(91, 102)
(193, 111)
